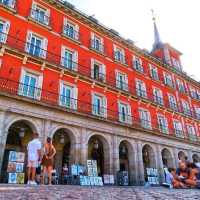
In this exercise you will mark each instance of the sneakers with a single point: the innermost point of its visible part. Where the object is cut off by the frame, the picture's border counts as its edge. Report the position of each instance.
(31, 183)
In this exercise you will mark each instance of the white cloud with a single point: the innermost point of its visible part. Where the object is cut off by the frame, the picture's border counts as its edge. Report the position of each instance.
(177, 20)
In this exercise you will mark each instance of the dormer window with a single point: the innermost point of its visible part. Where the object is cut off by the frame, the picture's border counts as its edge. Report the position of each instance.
(40, 14)
(119, 54)
(137, 64)
(97, 43)
(71, 29)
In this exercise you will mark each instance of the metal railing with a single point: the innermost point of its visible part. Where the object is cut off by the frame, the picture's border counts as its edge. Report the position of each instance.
(138, 67)
(55, 59)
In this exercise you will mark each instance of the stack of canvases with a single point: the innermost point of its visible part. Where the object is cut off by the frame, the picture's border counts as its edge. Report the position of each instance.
(152, 176)
(15, 167)
(122, 178)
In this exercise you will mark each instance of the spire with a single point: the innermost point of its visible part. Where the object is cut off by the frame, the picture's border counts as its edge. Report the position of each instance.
(157, 40)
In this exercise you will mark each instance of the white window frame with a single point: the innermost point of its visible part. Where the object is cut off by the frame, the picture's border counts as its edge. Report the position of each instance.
(94, 38)
(102, 70)
(168, 80)
(121, 59)
(74, 58)
(128, 114)
(103, 104)
(73, 97)
(75, 26)
(180, 85)
(163, 127)
(124, 85)
(191, 130)
(145, 118)
(158, 98)
(38, 85)
(141, 91)
(173, 104)
(197, 112)
(186, 107)
(153, 71)
(137, 64)
(11, 4)
(178, 127)
(36, 6)
(5, 31)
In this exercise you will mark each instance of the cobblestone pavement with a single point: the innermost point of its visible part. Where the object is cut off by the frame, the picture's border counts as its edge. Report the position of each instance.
(12, 192)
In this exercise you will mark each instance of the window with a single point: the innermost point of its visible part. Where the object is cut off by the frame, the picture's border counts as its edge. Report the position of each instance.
(69, 58)
(97, 43)
(8, 3)
(145, 118)
(124, 113)
(191, 130)
(98, 71)
(99, 105)
(172, 102)
(193, 93)
(137, 64)
(154, 73)
(121, 81)
(30, 84)
(178, 128)
(197, 111)
(180, 84)
(36, 45)
(40, 14)
(168, 80)
(176, 63)
(4, 29)
(162, 123)
(158, 97)
(141, 89)
(186, 108)
(68, 95)
(71, 29)
(119, 54)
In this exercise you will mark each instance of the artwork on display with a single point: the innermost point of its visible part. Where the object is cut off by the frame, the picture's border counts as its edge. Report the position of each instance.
(20, 157)
(92, 168)
(12, 178)
(74, 170)
(91, 181)
(11, 167)
(19, 167)
(12, 156)
(108, 179)
(20, 178)
(152, 176)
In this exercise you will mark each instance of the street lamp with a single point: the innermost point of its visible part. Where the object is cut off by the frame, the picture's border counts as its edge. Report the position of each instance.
(62, 139)
(21, 132)
(96, 144)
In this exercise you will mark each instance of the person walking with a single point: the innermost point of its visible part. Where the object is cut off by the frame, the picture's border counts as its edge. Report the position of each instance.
(48, 159)
(34, 156)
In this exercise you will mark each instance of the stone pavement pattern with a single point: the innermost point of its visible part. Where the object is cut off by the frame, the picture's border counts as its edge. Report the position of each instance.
(12, 192)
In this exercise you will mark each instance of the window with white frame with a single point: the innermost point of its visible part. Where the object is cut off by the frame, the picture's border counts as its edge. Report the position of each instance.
(137, 64)
(36, 45)
(186, 107)
(97, 43)
(30, 84)
(98, 70)
(158, 96)
(40, 14)
(197, 111)
(172, 102)
(168, 80)
(8, 3)
(119, 54)
(145, 118)
(4, 29)
(191, 130)
(141, 89)
(176, 63)
(163, 124)
(124, 112)
(70, 29)
(181, 86)
(69, 58)
(121, 81)
(68, 95)
(154, 72)
(99, 105)
(178, 128)
(193, 93)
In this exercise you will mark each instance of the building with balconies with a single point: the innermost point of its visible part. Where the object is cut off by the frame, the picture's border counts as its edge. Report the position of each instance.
(65, 75)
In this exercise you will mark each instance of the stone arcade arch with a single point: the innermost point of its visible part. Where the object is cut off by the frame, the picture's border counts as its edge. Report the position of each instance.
(181, 155)
(148, 156)
(19, 133)
(63, 140)
(98, 149)
(126, 159)
(195, 158)
(167, 158)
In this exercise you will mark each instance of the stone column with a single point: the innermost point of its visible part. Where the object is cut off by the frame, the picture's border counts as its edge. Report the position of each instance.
(159, 164)
(115, 157)
(175, 152)
(83, 147)
(189, 156)
(140, 164)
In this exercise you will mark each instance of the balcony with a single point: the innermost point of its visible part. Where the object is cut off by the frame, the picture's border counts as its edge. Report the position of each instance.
(168, 82)
(146, 124)
(10, 4)
(71, 33)
(39, 17)
(141, 93)
(119, 57)
(35, 50)
(158, 100)
(99, 111)
(97, 46)
(173, 106)
(179, 133)
(122, 85)
(98, 76)
(138, 67)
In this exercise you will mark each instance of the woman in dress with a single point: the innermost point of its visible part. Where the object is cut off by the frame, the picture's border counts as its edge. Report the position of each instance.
(48, 159)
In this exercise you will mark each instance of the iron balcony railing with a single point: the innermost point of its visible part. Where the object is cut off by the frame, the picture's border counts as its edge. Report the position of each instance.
(71, 33)
(40, 17)
(8, 3)
(55, 59)
(38, 95)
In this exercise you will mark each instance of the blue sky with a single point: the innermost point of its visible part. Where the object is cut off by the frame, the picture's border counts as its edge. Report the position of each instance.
(177, 21)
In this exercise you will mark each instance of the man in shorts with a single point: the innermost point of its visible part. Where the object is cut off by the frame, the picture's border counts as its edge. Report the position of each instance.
(34, 157)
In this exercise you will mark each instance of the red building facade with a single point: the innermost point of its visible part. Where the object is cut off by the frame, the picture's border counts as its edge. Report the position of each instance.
(55, 57)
